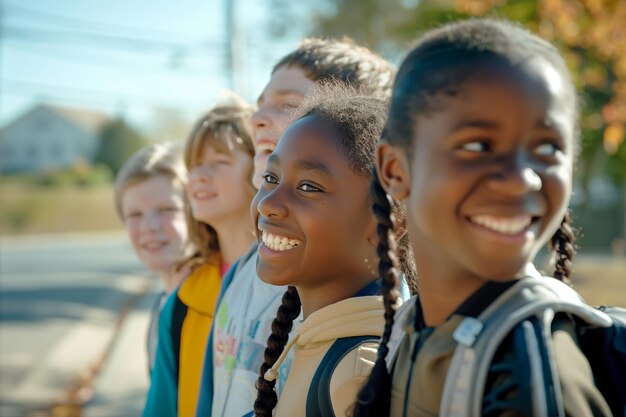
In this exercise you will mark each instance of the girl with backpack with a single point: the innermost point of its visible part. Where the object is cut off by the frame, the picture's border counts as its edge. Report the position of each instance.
(480, 144)
(318, 237)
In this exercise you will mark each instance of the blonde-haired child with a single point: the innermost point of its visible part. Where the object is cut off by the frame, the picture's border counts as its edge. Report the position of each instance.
(149, 196)
(219, 156)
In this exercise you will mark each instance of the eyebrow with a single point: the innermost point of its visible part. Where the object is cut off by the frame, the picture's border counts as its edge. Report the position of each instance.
(303, 164)
(283, 92)
(547, 124)
(479, 124)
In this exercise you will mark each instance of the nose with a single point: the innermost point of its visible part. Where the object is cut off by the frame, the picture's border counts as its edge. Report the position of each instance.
(199, 173)
(516, 176)
(259, 118)
(271, 203)
(150, 221)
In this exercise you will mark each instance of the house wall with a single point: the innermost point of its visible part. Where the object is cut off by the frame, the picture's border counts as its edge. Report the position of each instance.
(42, 139)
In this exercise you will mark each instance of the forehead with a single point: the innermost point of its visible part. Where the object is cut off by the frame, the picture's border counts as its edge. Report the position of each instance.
(308, 134)
(314, 140)
(533, 93)
(207, 145)
(156, 187)
(287, 80)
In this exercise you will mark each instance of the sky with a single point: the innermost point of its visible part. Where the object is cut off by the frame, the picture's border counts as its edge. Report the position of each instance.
(132, 58)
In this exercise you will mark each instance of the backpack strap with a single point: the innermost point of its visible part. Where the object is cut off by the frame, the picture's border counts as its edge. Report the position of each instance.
(605, 348)
(179, 313)
(538, 299)
(318, 401)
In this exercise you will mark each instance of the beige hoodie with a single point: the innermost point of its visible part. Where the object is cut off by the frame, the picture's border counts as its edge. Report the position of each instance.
(358, 316)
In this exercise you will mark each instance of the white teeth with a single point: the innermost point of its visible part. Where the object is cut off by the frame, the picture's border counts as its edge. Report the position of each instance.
(278, 243)
(153, 245)
(201, 194)
(265, 147)
(509, 226)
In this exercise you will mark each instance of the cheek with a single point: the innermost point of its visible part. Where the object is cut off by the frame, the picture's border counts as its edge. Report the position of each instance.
(176, 227)
(558, 189)
(282, 122)
(558, 182)
(134, 232)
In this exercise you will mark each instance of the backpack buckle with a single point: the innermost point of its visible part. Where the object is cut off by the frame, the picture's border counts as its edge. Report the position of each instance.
(467, 331)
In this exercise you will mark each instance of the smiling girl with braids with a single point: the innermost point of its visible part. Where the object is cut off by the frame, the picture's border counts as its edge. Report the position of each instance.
(319, 238)
(480, 144)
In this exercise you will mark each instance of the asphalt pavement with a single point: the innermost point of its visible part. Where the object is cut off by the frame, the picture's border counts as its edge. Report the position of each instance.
(73, 319)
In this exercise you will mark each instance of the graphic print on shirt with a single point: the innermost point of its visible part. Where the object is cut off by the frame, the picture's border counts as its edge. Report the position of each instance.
(245, 353)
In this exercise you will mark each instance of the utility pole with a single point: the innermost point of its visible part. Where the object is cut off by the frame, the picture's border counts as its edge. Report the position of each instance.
(235, 49)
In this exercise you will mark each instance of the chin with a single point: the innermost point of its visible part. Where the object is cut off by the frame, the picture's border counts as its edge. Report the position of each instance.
(272, 277)
(504, 272)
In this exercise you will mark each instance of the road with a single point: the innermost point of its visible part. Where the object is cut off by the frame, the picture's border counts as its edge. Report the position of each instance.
(60, 300)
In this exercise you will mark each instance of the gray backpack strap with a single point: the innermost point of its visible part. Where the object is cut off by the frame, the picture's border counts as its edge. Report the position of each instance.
(404, 321)
(479, 338)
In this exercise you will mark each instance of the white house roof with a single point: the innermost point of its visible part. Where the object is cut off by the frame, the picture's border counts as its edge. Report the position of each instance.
(90, 121)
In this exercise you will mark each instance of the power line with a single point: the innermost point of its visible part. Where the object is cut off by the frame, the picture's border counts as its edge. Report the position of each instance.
(54, 18)
(19, 87)
(81, 57)
(68, 36)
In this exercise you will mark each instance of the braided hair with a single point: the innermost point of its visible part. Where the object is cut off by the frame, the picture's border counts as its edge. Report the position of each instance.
(564, 249)
(358, 121)
(441, 61)
(288, 311)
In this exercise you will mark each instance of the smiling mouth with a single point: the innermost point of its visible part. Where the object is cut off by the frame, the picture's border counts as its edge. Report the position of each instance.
(153, 246)
(203, 195)
(504, 225)
(265, 148)
(278, 243)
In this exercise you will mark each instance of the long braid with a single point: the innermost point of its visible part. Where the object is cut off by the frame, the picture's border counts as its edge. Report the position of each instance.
(374, 398)
(288, 311)
(564, 249)
(406, 260)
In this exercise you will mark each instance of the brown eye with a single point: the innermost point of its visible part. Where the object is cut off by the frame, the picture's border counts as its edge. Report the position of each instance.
(270, 179)
(477, 146)
(288, 106)
(547, 149)
(308, 188)
(133, 215)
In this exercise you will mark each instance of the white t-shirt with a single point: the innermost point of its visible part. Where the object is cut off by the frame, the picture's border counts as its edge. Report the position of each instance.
(242, 325)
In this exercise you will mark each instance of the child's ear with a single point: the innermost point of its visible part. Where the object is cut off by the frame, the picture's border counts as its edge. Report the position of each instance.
(393, 170)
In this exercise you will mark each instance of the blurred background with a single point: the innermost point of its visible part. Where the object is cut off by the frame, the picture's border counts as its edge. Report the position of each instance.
(84, 84)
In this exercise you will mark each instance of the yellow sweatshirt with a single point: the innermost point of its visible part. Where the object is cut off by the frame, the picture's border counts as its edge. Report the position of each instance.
(199, 293)
(358, 316)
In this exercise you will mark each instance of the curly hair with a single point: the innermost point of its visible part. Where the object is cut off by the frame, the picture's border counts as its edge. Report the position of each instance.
(341, 61)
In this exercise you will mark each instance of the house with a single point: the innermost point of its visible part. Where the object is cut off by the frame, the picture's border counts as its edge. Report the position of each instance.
(50, 137)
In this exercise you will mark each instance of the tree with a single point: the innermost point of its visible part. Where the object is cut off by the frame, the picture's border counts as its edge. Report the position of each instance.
(590, 34)
(118, 141)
